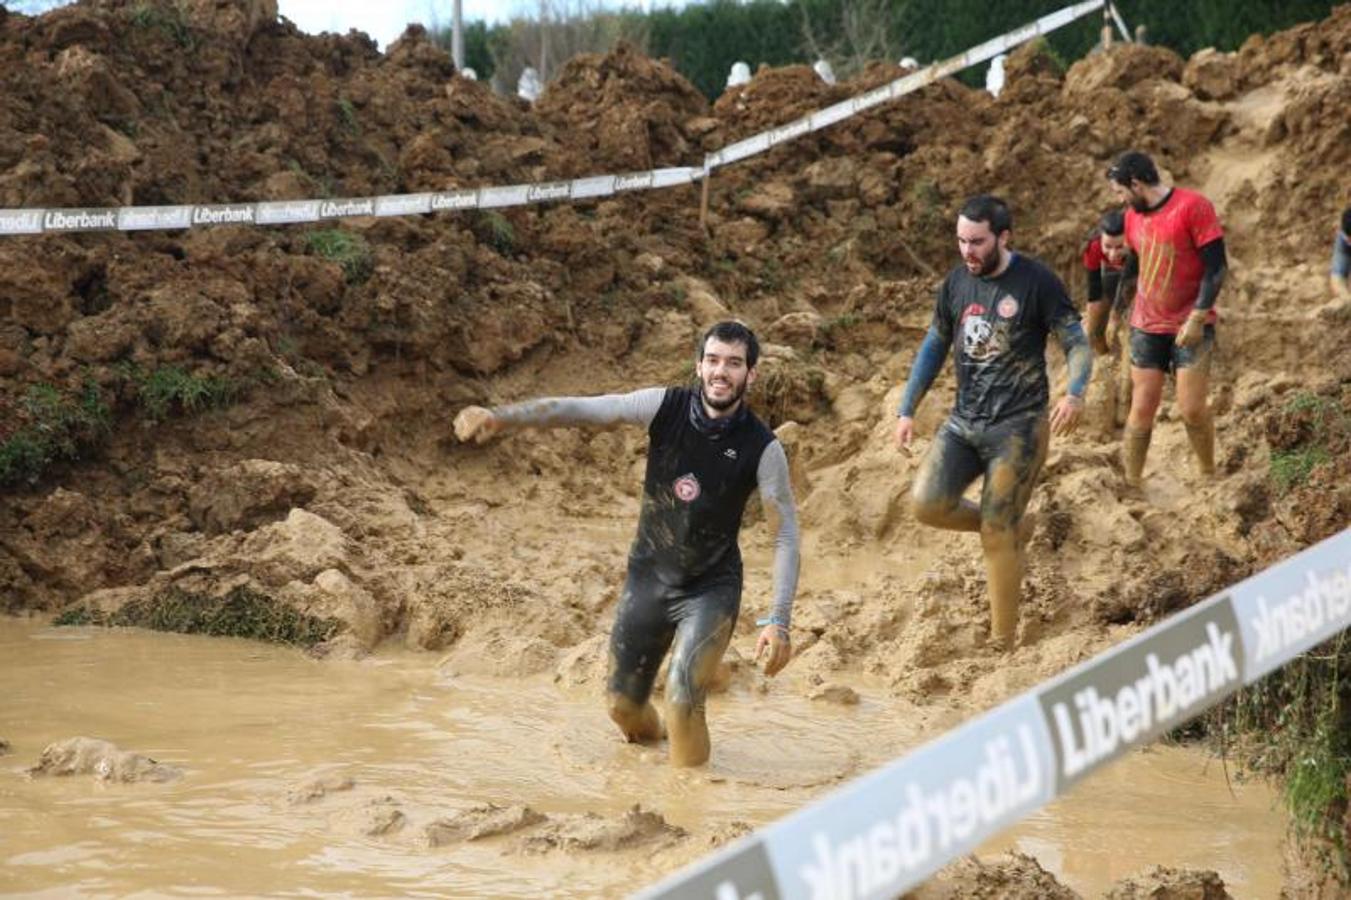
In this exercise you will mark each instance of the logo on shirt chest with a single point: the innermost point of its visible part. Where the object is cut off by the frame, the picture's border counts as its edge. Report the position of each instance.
(1007, 307)
(686, 488)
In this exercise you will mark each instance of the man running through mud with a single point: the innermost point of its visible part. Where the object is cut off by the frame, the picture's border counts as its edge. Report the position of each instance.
(997, 308)
(707, 453)
(1175, 270)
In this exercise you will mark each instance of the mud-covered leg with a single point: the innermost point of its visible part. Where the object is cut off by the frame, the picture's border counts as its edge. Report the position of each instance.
(641, 636)
(1193, 387)
(701, 640)
(947, 470)
(1009, 480)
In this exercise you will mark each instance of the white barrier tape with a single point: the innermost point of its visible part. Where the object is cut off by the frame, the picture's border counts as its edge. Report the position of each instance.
(886, 832)
(289, 212)
(759, 143)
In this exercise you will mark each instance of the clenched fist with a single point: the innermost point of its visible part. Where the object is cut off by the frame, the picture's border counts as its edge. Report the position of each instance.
(477, 424)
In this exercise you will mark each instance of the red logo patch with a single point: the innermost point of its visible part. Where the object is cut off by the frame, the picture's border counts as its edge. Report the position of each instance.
(1007, 308)
(975, 309)
(686, 487)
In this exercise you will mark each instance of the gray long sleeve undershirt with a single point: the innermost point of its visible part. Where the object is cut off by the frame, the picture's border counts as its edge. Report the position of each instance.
(640, 408)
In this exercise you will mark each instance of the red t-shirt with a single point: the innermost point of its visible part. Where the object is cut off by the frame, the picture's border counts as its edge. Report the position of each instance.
(1167, 241)
(1095, 259)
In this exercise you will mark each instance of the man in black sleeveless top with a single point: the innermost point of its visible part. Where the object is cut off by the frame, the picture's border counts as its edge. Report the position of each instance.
(707, 453)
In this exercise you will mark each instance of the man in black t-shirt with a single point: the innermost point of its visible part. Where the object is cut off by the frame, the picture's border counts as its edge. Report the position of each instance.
(707, 453)
(996, 308)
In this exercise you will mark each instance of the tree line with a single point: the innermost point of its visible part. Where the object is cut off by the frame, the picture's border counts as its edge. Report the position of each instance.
(703, 40)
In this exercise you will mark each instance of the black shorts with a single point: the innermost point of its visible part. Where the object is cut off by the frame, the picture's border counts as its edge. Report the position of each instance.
(652, 615)
(1160, 351)
(1009, 454)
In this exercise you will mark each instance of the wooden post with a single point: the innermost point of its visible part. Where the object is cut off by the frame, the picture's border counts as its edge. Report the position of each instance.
(703, 200)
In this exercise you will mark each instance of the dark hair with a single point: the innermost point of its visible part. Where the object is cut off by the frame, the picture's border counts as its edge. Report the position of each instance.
(988, 208)
(1346, 221)
(1133, 166)
(731, 332)
(1113, 223)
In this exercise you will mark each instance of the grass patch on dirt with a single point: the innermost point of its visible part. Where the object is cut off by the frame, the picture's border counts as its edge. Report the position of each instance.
(1295, 725)
(54, 426)
(1306, 433)
(344, 248)
(243, 612)
(170, 390)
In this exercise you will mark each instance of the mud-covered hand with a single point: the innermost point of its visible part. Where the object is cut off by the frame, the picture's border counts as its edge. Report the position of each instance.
(474, 423)
(905, 432)
(1065, 417)
(1192, 330)
(774, 638)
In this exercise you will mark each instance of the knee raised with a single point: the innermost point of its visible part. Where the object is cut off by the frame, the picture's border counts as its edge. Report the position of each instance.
(928, 511)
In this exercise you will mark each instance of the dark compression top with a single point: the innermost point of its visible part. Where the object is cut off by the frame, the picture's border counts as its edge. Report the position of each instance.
(699, 477)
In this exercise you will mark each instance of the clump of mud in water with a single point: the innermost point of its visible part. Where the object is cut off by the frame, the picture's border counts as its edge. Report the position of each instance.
(1019, 877)
(92, 756)
(489, 820)
(637, 828)
(1162, 883)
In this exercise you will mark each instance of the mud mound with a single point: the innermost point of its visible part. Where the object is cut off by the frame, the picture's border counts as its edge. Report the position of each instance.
(621, 112)
(1017, 877)
(103, 759)
(1122, 67)
(1162, 883)
(481, 822)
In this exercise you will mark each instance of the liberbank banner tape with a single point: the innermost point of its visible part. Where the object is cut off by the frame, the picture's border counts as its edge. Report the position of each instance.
(291, 212)
(886, 832)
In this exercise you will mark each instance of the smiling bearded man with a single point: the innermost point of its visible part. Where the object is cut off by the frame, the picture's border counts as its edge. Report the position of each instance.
(707, 453)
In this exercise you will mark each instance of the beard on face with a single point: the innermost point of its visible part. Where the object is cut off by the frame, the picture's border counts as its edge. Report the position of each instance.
(989, 261)
(738, 391)
(1139, 204)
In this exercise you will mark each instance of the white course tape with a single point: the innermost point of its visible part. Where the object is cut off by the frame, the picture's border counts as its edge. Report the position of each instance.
(886, 832)
(759, 143)
(290, 212)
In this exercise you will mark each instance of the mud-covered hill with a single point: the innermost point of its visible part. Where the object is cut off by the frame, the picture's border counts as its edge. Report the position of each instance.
(260, 416)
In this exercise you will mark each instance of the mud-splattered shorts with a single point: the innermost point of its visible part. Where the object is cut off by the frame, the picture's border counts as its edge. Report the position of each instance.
(1160, 351)
(1009, 454)
(652, 615)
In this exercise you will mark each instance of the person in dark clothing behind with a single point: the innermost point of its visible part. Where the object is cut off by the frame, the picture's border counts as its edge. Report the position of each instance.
(707, 453)
(1174, 271)
(996, 308)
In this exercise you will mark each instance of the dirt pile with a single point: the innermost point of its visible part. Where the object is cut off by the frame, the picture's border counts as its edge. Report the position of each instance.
(263, 413)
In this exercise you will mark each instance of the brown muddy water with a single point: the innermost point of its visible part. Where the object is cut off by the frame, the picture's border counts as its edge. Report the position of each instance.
(251, 723)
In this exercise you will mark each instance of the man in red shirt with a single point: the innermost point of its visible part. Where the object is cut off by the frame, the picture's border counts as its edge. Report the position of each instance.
(1104, 259)
(1175, 270)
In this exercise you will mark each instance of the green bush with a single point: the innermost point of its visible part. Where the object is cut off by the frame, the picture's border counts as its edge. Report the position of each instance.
(55, 426)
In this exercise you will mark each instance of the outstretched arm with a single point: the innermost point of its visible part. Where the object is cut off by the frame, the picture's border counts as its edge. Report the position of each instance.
(638, 408)
(777, 489)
